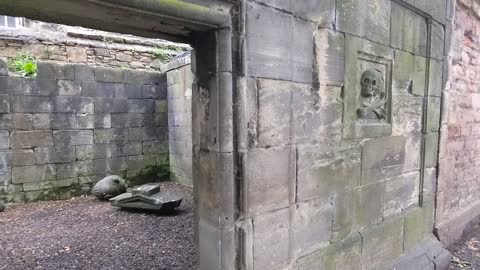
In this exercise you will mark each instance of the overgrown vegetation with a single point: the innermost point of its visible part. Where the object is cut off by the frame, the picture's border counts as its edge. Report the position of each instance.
(23, 64)
(161, 54)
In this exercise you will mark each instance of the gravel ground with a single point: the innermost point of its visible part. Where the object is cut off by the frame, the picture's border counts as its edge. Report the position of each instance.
(83, 233)
(466, 253)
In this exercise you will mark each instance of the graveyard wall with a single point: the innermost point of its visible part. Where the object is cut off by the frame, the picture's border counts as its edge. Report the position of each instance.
(73, 124)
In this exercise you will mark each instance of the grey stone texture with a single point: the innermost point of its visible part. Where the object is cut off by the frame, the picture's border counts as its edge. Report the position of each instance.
(66, 129)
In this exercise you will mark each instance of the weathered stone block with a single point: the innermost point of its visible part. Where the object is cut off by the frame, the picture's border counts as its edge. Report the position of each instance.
(37, 173)
(99, 89)
(111, 135)
(382, 158)
(16, 121)
(155, 147)
(302, 51)
(312, 226)
(66, 138)
(356, 209)
(409, 30)
(69, 88)
(84, 152)
(54, 121)
(323, 170)
(271, 240)
(435, 85)
(382, 244)
(141, 105)
(108, 105)
(431, 149)
(72, 104)
(274, 125)
(22, 157)
(129, 91)
(319, 11)
(401, 192)
(370, 19)
(4, 104)
(84, 73)
(433, 114)
(438, 41)
(30, 104)
(403, 72)
(436, 8)
(275, 182)
(419, 76)
(330, 53)
(51, 71)
(413, 146)
(418, 224)
(28, 139)
(45, 155)
(146, 134)
(154, 91)
(140, 162)
(4, 140)
(345, 254)
(110, 165)
(105, 74)
(407, 114)
(75, 169)
(76, 54)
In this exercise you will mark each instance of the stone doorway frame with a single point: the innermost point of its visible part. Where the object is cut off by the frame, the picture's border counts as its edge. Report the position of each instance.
(208, 25)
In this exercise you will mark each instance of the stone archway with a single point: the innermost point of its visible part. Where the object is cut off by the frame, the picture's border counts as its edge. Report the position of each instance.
(207, 25)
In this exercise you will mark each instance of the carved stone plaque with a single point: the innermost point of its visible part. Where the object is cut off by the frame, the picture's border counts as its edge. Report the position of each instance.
(367, 92)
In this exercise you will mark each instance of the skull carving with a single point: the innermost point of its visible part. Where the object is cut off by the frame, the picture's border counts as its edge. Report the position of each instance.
(373, 98)
(371, 83)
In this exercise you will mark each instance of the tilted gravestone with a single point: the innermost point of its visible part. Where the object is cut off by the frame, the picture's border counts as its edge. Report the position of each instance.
(148, 197)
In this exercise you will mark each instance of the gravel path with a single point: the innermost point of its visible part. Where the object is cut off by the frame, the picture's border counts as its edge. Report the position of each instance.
(83, 233)
(466, 253)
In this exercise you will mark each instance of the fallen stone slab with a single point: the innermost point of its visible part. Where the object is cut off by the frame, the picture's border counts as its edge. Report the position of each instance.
(148, 197)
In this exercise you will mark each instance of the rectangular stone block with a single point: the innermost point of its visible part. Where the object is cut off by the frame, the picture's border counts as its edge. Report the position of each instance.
(72, 104)
(105, 74)
(98, 89)
(108, 105)
(382, 158)
(84, 73)
(29, 139)
(91, 121)
(141, 105)
(312, 226)
(111, 135)
(433, 114)
(436, 8)
(110, 165)
(438, 41)
(16, 121)
(271, 240)
(21, 157)
(155, 91)
(30, 104)
(356, 17)
(129, 91)
(4, 104)
(382, 244)
(4, 140)
(431, 149)
(401, 193)
(356, 209)
(418, 224)
(54, 121)
(419, 76)
(75, 169)
(345, 254)
(122, 120)
(52, 71)
(69, 88)
(30, 174)
(260, 180)
(325, 170)
(66, 138)
(409, 30)
(140, 162)
(44, 155)
(435, 86)
(330, 53)
(155, 147)
(84, 152)
(320, 11)
(146, 134)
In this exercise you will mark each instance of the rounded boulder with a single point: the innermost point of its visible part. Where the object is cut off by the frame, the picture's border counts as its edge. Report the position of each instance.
(109, 187)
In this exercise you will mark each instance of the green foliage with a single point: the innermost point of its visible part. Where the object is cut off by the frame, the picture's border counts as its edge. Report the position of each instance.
(161, 54)
(23, 64)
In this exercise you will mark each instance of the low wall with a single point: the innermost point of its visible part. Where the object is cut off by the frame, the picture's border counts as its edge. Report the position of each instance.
(73, 124)
(458, 202)
(180, 78)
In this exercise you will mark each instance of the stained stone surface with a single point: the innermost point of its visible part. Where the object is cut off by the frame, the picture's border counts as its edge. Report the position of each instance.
(2, 206)
(148, 197)
(109, 187)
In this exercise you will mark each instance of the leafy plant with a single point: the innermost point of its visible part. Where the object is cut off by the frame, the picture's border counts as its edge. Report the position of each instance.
(23, 64)
(161, 54)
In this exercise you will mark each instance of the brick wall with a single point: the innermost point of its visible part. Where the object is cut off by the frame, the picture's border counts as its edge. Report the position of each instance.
(458, 202)
(73, 124)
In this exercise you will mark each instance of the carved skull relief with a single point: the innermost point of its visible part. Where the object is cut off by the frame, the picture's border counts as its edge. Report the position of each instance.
(372, 95)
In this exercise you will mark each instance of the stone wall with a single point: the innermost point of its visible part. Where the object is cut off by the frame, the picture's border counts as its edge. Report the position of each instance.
(73, 124)
(339, 168)
(458, 202)
(180, 79)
